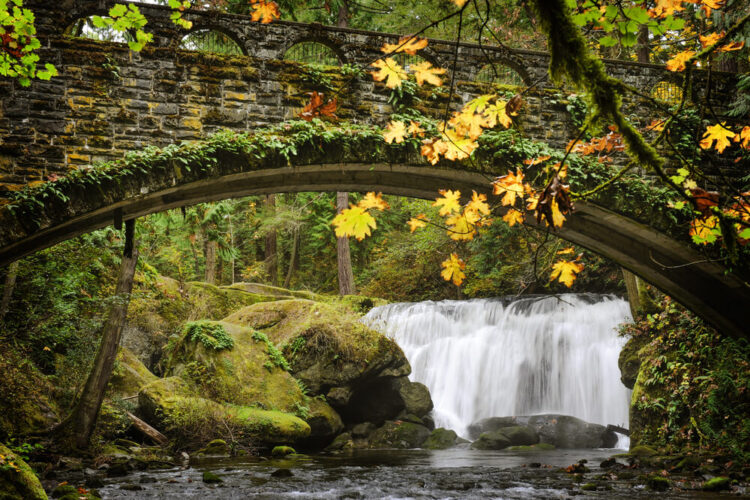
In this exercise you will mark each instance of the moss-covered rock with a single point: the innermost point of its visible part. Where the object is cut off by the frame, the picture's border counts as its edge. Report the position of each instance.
(129, 374)
(440, 439)
(397, 434)
(629, 361)
(493, 440)
(325, 423)
(325, 344)
(211, 478)
(215, 447)
(642, 451)
(17, 480)
(174, 405)
(657, 483)
(282, 451)
(251, 373)
(717, 484)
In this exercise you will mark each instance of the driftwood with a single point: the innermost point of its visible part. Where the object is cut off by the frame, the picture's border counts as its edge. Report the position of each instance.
(148, 430)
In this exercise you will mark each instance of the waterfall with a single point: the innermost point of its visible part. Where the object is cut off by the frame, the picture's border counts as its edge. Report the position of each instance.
(499, 357)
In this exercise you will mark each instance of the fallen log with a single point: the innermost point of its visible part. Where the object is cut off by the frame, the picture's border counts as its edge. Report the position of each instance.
(617, 428)
(148, 430)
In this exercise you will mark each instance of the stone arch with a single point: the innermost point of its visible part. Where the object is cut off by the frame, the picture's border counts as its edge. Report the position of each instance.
(318, 37)
(83, 27)
(227, 169)
(667, 91)
(312, 52)
(499, 73)
(214, 39)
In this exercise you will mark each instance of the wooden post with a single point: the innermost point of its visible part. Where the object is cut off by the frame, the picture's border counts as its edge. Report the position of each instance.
(85, 413)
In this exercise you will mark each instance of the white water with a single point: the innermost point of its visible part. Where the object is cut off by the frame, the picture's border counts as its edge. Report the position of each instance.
(485, 358)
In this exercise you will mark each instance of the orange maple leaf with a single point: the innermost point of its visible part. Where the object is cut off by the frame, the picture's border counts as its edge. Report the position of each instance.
(718, 133)
(318, 107)
(417, 222)
(743, 137)
(265, 11)
(679, 61)
(732, 46)
(510, 185)
(449, 203)
(407, 45)
(513, 217)
(372, 200)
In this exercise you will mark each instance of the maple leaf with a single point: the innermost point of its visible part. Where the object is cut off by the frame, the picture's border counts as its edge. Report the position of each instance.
(538, 159)
(478, 204)
(453, 269)
(511, 185)
(732, 46)
(407, 45)
(432, 149)
(743, 137)
(449, 203)
(553, 202)
(461, 227)
(414, 129)
(395, 131)
(704, 200)
(565, 271)
(657, 124)
(711, 39)
(664, 8)
(458, 147)
(390, 71)
(708, 5)
(533, 202)
(513, 217)
(678, 62)
(705, 230)
(265, 11)
(466, 123)
(372, 200)
(496, 113)
(317, 107)
(566, 251)
(478, 104)
(557, 217)
(718, 133)
(424, 72)
(417, 222)
(354, 221)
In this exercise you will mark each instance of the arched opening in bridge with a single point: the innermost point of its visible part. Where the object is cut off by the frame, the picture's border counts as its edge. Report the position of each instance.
(210, 40)
(312, 53)
(85, 28)
(498, 74)
(668, 92)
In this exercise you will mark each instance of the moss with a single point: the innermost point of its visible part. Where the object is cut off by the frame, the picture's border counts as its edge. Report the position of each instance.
(642, 451)
(717, 484)
(440, 439)
(629, 360)
(533, 447)
(282, 451)
(17, 480)
(211, 478)
(588, 487)
(658, 483)
(129, 374)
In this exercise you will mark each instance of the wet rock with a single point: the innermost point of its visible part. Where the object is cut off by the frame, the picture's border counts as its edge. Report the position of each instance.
(533, 447)
(62, 490)
(717, 484)
(211, 478)
(642, 451)
(657, 483)
(489, 425)
(325, 423)
(131, 487)
(561, 431)
(281, 473)
(341, 442)
(282, 451)
(147, 480)
(588, 487)
(493, 440)
(516, 435)
(606, 464)
(415, 395)
(217, 447)
(429, 422)
(397, 434)
(440, 439)
(95, 481)
(363, 430)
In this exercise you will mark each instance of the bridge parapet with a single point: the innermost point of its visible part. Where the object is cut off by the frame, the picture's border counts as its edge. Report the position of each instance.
(108, 101)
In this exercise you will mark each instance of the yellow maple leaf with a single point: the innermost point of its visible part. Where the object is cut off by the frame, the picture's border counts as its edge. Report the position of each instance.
(705, 230)
(372, 200)
(478, 104)
(407, 45)
(513, 217)
(708, 5)
(566, 251)
(354, 221)
(679, 61)
(458, 147)
(711, 39)
(453, 269)
(718, 133)
(460, 228)
(415, 129)
(424, 72)
(533, 202)
(732, 46)
(664, 8)
(417, 222)
(495, 114)
(467, 123)
(557, 217)
(566, 271)
(743, 137)
(449, 203)
(265, 11)
(432, 149)
(510, 185)
(478, 204)
(395, 131)
(390, 71)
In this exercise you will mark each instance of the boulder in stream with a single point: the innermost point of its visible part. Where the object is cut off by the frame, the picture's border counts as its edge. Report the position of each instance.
(561, 431)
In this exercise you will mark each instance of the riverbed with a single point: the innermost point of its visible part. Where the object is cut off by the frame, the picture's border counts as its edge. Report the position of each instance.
(402, 474)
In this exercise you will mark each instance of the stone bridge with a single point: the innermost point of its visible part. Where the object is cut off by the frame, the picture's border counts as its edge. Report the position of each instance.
(109, 101)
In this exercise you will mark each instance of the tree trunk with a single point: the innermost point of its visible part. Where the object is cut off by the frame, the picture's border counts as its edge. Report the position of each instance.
(211, 262)
(271, 256)
(292, 258)
(85, 413)
(10, 284)
(642, 50)
(344, 258)
(343, 20)
(631, 285)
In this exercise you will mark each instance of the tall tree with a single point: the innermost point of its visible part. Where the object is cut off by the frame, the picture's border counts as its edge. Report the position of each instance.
(343, 255)
(271, 243)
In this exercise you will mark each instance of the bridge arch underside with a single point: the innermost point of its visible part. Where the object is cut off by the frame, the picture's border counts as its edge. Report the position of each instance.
(670, 265)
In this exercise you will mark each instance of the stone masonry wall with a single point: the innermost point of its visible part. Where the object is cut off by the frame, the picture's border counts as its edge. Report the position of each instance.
(108, 100)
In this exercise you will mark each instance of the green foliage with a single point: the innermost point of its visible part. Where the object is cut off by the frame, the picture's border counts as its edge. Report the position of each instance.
(17, 53)
(126, 18)
(301, 410)
(212, 335)
(275, 356)
(696, 384)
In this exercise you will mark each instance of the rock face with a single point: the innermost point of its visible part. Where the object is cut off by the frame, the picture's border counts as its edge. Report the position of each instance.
(561, 431)
(629, 361)
(399, 434)
(385, 399)
(17, 480)
(440, 439)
